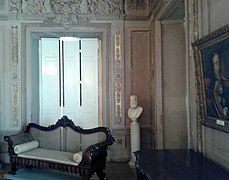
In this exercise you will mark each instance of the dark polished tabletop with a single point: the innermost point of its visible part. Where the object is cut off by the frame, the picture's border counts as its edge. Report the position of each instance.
(179, 164)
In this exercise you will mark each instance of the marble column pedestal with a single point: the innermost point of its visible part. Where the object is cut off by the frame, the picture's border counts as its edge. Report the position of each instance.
(134, 140)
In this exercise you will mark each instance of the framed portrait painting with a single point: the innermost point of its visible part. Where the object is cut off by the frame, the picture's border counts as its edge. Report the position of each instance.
(211, 54)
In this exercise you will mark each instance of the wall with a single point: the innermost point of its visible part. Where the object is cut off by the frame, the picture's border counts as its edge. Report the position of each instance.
(215, 143)
(138, 76)
(169, 70)
(205, 16)
(20, 19)
(174, 84)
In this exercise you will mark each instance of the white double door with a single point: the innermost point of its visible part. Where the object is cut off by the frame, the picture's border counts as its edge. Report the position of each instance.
(69, 80)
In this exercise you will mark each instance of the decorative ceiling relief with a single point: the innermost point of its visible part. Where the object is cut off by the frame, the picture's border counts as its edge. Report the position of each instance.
(136, 4)
(96, 7)
(35, 6)
(80, 7)
(76, 11)
(137, 9)
(67, 19)
(14, 6)
(66, 11)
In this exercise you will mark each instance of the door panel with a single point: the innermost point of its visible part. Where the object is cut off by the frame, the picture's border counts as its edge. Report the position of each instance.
(69, 84)
(71, 80)
(89, 108)
(49, 81)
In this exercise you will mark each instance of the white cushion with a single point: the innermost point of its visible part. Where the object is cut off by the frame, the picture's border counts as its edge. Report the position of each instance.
(50, 155)
(20, 148)
(77, 157)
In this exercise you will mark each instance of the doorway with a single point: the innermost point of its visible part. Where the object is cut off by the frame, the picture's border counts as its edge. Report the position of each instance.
(68, 80)
(84, 115)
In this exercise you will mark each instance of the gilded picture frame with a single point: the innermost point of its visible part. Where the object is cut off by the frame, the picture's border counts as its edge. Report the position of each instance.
(211, 55)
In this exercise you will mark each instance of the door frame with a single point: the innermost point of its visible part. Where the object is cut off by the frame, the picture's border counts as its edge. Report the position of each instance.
(102, 32)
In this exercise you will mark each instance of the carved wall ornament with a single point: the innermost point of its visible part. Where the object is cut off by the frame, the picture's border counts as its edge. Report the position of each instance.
(2, 4)
(118, 95)
(118, 74)
(117, 47)
(195, 20)
(15, 104)
(97, 7)
(67, 19)
(14, 6)
(136, 4)
(35, 6)
(14, 77)
(14, 31)
(83, 7)
(199, 115)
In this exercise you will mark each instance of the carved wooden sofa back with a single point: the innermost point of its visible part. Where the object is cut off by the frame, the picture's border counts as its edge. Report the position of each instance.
(63, 136)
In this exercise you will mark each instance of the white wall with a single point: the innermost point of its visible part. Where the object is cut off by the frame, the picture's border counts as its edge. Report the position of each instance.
(174, 85)
(210, 15)
(215, 143)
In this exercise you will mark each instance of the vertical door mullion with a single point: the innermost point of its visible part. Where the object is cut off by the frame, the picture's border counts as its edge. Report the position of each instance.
(63, 84)
(80, 74)
(60, 47)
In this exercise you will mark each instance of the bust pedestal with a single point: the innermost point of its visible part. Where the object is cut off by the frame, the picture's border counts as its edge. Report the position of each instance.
(135, 140)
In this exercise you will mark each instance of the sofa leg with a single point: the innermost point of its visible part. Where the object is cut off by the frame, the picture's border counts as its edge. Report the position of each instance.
(14, 168)
(101, 175)
(85, 178)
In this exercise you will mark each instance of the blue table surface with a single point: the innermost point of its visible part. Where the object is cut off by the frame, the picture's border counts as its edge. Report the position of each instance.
(178, 164)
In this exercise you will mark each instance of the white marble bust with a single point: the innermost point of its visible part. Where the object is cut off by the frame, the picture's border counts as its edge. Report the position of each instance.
(134, 111)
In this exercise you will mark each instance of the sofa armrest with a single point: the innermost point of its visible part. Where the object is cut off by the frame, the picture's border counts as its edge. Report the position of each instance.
(97, 152)
(17, 139)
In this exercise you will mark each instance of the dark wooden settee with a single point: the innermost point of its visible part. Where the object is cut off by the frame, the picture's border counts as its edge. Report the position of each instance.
(56, 146)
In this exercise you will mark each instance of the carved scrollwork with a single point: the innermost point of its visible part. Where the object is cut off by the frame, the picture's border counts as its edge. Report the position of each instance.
(61, 7)
(118, 94)
(14, 77)
(136, 4)
(117, 47)
(93, 7)
(14, 6)
(118, 74)
(67, 11)
(195, 20)
(67, 19)
(35, 6)
(97, 7)
(2, 5)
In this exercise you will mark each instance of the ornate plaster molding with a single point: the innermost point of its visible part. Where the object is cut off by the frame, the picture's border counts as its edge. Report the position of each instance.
(14, 78)
(2, 5)
(118, 75)
(14, 6)
(199, 101)
(63, 7)
(67, 19)
(117, 47)
(195, 20)
(66, 11)
(136, 4)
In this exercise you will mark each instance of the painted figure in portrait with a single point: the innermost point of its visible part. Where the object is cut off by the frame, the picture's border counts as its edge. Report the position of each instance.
(216, 80)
